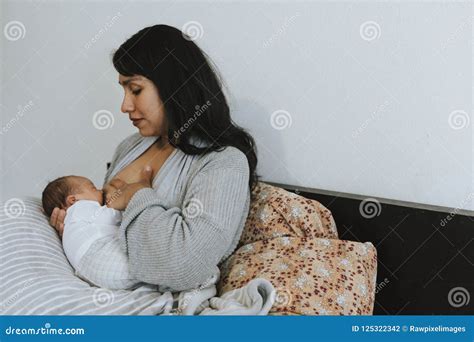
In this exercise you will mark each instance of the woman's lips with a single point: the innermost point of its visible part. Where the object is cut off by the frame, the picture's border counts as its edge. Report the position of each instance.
(136, 121)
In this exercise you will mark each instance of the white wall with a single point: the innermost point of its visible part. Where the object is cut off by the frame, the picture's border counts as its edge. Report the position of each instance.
(374, 91)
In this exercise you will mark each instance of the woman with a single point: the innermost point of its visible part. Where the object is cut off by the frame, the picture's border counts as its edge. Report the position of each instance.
(184, 215)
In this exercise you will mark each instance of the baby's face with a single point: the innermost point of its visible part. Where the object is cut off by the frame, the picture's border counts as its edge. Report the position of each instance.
(88, 191)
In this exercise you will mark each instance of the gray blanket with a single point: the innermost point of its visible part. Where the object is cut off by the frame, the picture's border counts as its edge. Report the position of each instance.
(37, 279)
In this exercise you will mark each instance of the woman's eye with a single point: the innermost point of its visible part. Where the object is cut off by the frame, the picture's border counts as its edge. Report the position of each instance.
(136, 92)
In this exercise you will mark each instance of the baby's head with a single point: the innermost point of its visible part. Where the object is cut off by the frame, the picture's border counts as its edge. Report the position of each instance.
(65, 191)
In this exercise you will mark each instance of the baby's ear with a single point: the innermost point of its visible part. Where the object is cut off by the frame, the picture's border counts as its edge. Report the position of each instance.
(70, 200)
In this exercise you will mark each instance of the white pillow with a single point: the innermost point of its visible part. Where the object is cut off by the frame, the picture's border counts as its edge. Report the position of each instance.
(37, 279)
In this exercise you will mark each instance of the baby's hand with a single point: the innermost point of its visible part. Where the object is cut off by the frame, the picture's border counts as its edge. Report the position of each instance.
(57, 220)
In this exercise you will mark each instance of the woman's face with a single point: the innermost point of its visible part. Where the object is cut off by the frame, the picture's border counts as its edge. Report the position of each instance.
(143, 105)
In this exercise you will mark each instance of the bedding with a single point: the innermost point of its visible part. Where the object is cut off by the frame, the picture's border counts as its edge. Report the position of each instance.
(275, 212)
(311, 276)
(292, 241)
(37, 279)
(289, 261)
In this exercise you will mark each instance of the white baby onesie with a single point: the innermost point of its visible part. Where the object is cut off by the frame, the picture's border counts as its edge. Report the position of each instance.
(91, 244)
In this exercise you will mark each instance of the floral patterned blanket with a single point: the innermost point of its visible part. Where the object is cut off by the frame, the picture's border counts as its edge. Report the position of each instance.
(292, 241)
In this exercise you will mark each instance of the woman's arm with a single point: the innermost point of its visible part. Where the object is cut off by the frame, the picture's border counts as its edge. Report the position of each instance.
(180, 248)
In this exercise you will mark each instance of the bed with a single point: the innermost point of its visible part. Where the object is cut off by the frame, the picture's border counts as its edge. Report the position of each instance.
(289, 240)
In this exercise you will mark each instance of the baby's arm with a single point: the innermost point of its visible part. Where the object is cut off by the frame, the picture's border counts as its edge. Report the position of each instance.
(106, 265)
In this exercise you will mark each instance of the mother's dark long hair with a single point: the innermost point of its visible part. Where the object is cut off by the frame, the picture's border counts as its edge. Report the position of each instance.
(190, 88)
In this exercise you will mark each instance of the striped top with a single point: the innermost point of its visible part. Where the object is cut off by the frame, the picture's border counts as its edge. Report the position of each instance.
(178, 232)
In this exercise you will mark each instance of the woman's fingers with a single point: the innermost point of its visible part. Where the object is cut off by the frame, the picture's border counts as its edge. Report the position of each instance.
(57, 220)
(107, 190)
(54, 217)
(111, 194)
(113, 190)
(61, 216)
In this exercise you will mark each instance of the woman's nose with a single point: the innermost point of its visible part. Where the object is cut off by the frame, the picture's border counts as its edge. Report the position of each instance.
(127, 105)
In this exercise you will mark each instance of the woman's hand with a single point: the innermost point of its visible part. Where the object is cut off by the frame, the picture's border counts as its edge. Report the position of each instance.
(118, 193)
(57, 220)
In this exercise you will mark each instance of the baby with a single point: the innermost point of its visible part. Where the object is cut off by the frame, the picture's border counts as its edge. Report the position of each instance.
(90, 236)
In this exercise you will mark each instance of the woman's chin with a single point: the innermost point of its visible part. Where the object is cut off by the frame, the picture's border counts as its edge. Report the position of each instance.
(147, 132)
(144, 132)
